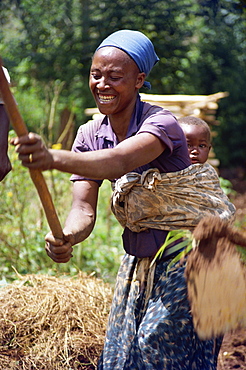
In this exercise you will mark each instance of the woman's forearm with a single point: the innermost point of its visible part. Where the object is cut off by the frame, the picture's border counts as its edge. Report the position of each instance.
(79, 224)
(96, 165)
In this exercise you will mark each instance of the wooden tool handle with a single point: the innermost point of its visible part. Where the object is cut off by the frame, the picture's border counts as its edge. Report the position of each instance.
(36, 175)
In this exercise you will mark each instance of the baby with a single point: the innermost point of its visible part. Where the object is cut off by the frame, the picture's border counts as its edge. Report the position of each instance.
(198, 138)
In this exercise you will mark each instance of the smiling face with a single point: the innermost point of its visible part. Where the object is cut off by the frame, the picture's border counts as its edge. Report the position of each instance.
(114, 81)
(198, 142)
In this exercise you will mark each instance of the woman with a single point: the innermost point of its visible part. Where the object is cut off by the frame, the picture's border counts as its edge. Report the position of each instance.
(150, 325)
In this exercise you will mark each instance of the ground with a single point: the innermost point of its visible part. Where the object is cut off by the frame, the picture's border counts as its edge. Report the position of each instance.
(233, 350)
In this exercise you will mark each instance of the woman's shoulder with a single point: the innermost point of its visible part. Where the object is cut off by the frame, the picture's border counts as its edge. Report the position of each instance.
(91, 127)
(151, 109)
(87, 133)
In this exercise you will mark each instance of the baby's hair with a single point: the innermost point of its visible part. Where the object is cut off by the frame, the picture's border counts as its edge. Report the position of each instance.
(191, 120)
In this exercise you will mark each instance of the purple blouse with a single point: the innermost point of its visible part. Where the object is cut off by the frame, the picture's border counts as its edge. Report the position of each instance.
(98, 134)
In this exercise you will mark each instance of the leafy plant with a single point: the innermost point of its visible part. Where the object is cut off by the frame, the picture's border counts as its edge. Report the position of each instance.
(227, 186)
(178, 240)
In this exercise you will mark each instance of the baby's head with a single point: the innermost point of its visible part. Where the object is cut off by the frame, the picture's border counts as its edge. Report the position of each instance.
(198, 138)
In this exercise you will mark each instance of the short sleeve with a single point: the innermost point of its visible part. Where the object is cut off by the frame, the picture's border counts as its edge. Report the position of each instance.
(85, 140)
(164, 125)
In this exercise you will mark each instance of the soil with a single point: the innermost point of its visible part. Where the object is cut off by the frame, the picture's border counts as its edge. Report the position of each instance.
(233, 350)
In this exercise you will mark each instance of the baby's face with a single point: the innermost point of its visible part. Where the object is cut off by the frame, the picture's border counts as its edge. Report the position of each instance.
(198, 142)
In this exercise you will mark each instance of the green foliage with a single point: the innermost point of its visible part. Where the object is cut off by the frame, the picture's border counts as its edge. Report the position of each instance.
(201, 45)
(242, 253)
(227, 186)
(220, 66)
(22, 224)
(23, 227)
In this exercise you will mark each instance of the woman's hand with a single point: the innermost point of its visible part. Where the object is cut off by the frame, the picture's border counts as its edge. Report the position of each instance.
(58, 250)
(33, 152)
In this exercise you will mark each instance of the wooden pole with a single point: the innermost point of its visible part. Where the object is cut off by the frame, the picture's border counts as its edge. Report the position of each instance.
(36, 175)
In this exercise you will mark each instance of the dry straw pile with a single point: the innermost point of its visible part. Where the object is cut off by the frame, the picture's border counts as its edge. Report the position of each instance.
(50, 323)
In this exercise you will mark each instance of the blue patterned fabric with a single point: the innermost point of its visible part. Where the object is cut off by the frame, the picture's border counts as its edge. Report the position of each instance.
(160, 337)
(137, 46)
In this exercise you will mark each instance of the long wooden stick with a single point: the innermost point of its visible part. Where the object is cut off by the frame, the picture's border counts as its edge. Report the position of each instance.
(36, 175)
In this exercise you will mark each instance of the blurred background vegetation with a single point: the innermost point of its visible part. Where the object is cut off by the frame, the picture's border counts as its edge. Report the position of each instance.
(47, 47)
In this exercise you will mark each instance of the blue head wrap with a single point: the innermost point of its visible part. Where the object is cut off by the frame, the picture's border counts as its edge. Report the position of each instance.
(137, 46)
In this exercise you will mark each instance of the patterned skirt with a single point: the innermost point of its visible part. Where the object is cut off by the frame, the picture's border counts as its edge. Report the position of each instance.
(159, 334)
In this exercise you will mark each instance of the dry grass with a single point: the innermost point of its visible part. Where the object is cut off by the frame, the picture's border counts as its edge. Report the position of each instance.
(50, 323)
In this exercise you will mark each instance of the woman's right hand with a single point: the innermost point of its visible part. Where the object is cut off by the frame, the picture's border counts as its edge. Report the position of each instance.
(58, 250)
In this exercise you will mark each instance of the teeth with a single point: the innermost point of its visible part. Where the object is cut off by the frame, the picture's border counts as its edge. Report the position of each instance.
(106, 97)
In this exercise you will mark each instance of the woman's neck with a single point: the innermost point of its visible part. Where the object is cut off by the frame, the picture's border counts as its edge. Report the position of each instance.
(120, 122)
(120, 126)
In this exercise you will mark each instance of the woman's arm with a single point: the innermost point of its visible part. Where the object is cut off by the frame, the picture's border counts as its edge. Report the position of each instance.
(79, 224)
(101, 164)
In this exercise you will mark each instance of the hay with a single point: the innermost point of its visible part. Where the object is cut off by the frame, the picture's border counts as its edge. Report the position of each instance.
(50, 323)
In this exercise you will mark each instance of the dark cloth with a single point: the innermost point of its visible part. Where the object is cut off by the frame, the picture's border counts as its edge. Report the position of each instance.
(160, 122)
(159, 337)
(5, 165)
